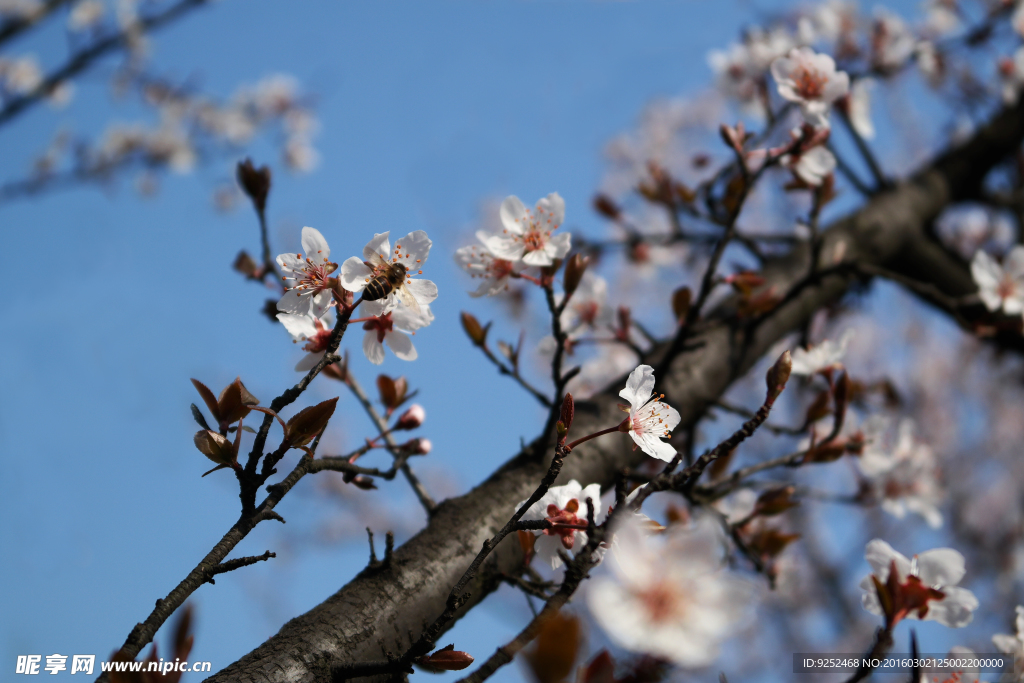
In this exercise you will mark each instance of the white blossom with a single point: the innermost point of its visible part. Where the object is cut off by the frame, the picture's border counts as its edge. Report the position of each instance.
(20, 76)
(667, 595)
(1017, 20)
(812, 166)
(494, 273)
(307, 278)
(810, 79)
(1013, 644)
(563, 505)
(588, 307)
(392, 327)
(941, 569)
(314, 332)
(1000, 287)
(527, 234)
(300, 155)
(411, 252)
(820, 357)
(1011, 76)
(649, 419)
(85, 15)
(903, 474)
(892, 41)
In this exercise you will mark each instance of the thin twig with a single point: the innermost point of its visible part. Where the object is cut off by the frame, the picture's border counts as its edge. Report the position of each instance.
(237, 563)
(396, 450)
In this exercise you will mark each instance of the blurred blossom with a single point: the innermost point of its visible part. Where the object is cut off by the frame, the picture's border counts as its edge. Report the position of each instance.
(892, 41)
(588, 307)
(299, 154)
(611, 361)
(1011, 76)
(667, 594)
(1017, 20)
(834, 19)
(481, 264)
(811, 80)
(901, 470)
(970, 227)
(20, 76)
(527, 235)
(940, 569)
(930, 62)
(86, 15)
(812, 166)
(1000, 287)
(940, 17)
(20, 9)
(565, 505)
(821, 357)
(1013, 644)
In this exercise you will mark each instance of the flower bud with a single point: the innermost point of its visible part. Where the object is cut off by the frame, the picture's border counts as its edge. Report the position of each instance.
(255, 183)
(606, 206)
(393, 392)
(778, 375)
(418, 446)
(365, 483)
(681, 299)
(245, 265)
(445, 659)
(568, 411)
(411, 418)
(476, 333)
(574, 269)
(775, 501)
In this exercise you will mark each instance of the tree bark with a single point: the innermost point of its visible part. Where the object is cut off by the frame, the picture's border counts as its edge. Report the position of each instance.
(385, 609)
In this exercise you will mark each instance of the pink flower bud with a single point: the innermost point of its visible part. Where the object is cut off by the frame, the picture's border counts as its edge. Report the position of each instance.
(418, 446)
(411, 418)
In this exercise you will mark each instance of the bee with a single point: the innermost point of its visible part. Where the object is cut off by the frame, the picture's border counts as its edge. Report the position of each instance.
(390, 278)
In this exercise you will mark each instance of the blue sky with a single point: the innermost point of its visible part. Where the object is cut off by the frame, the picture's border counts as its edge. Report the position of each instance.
(114, 301)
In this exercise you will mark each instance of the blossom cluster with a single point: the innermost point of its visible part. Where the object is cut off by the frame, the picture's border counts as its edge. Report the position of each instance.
(527, 239)
(312, 294)
(188, 125)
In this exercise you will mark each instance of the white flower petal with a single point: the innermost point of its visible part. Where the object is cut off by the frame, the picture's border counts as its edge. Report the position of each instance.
(291, 302)
(941, 567)
(378, 247)
(373, 349)
(354, 274)
(315, 245)
(551, 211)
(309, 361)
(639, 386)
(299, 326)
(513, 215)
(415, 247)
(401, 345)
(425, 291)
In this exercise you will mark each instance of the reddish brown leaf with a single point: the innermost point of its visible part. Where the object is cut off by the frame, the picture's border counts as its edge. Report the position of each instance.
(553, 655)
(308, 422)
(208, 398)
